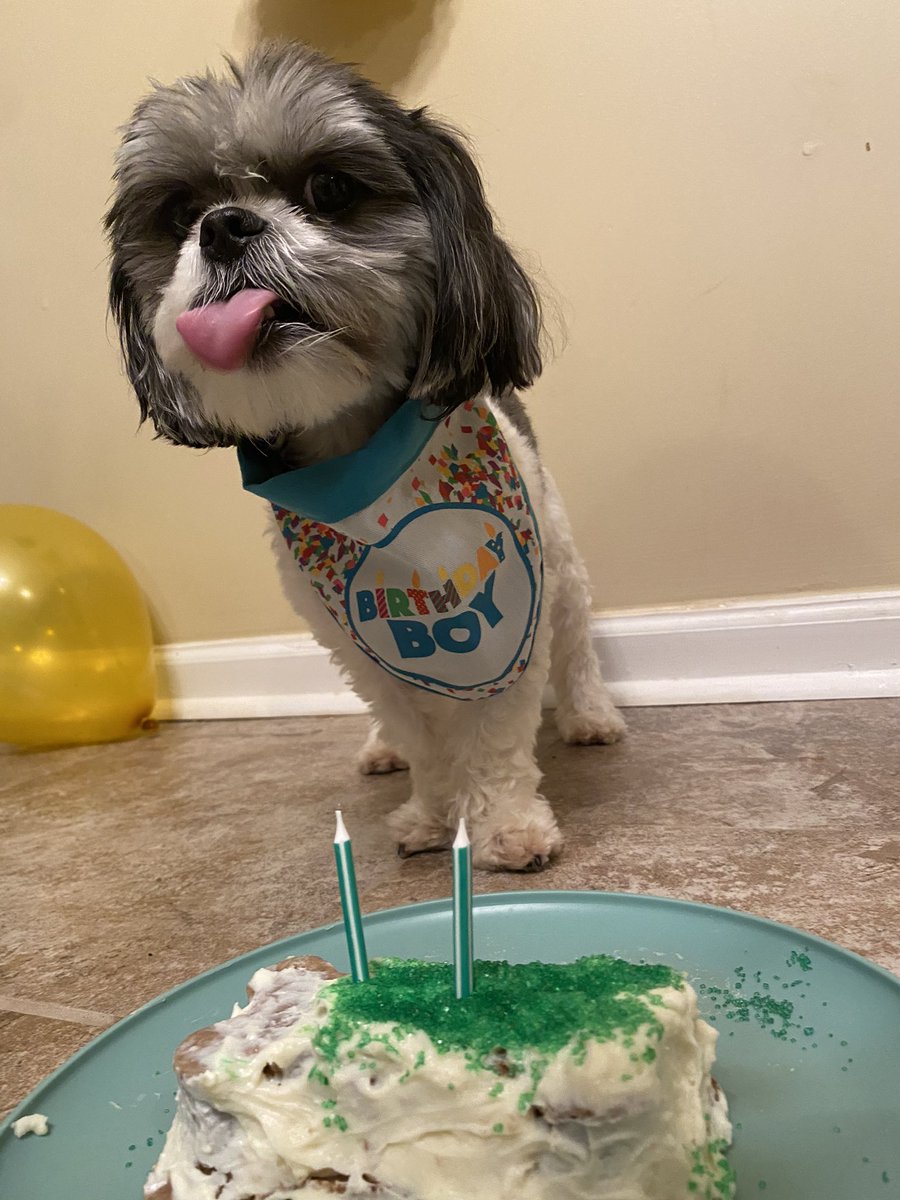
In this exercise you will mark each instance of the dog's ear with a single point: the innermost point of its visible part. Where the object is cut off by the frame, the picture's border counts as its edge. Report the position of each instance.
(161, 395)
(485, 324)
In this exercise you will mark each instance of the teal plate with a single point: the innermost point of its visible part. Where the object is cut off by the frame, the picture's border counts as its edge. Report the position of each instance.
(809, 1052)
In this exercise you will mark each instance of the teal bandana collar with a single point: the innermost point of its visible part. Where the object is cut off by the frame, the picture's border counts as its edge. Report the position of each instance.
(423, 547)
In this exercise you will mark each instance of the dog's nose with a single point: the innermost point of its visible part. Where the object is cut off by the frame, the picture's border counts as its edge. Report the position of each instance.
(225, 232)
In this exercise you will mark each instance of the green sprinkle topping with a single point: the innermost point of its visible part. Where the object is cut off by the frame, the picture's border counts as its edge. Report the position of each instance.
(368, 1039)
(333, 1119)
(230, 1066)
(627, 1078)
(769, 1013)
(714, 1178)
(534, 1006)
(538, 1067)
(495, 1091)
(498, 1128)
(800, 960)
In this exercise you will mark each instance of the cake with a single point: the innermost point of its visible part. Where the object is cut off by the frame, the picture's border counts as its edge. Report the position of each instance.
(584, 1081)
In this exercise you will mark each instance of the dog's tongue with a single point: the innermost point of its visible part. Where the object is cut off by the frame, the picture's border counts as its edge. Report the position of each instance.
(222, 335)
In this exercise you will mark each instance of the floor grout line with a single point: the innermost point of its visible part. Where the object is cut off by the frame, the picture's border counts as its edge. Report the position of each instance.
(56, 1012)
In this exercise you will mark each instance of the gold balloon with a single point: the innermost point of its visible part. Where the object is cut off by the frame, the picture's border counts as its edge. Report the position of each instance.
(76, 650)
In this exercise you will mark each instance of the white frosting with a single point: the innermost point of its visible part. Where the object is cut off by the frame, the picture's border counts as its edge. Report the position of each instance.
(33, 1123)
(630, 1119)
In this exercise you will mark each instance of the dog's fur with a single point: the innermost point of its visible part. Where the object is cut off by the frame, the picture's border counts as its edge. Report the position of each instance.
(408, 292)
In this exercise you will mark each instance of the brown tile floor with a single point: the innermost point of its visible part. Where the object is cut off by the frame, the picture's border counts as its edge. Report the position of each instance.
(126, 869)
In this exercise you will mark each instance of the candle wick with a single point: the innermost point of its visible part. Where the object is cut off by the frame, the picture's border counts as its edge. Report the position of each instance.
(462, 835)
(340, 833)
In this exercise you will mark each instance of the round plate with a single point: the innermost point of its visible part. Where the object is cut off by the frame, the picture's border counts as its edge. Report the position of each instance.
(809, 1052)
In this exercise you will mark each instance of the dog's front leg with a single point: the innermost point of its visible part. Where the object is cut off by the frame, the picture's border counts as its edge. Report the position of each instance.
(585, 713)
(476, 760)
(378, 756)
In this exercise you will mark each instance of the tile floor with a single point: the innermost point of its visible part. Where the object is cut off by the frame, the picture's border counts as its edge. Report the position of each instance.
(125, 869)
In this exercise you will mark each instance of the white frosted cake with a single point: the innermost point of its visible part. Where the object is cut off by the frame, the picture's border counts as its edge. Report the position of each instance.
(589, 1081)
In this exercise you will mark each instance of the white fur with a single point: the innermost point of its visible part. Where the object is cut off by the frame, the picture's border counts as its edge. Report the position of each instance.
(475, 759)
(319, 378)
(378, 757)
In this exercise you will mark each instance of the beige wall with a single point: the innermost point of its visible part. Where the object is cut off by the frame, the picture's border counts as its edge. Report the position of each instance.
(712, 191)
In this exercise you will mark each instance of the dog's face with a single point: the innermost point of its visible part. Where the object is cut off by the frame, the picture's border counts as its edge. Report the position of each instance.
(289, 244)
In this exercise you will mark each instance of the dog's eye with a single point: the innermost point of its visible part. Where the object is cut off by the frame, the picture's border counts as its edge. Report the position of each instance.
(178, 213)
(330, 192)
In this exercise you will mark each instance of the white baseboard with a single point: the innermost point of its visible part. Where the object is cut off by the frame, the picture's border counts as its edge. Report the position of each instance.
(286, 675)
(809, 648)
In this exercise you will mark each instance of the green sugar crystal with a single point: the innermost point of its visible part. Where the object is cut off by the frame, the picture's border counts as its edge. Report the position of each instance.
(802, 961)
(771, 1014)
(536, 1007)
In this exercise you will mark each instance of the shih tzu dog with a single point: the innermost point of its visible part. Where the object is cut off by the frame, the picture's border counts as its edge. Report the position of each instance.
(306, 271)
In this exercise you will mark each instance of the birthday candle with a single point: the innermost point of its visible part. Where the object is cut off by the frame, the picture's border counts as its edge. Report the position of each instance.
(380, 597)
(463, 963)
(353, 926)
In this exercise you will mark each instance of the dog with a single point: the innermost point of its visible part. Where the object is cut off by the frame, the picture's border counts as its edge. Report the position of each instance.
(301, 268)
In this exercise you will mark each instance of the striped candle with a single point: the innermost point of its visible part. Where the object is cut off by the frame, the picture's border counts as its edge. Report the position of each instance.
(353, 926)
(463, 962)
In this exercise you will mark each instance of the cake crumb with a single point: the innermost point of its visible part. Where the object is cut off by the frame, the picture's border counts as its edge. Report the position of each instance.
(34, 1123)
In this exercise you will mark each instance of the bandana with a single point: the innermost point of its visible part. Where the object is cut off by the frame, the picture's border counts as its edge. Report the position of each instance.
(423, 546)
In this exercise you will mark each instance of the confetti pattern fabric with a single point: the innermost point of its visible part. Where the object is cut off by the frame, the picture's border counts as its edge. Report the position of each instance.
(439, 579)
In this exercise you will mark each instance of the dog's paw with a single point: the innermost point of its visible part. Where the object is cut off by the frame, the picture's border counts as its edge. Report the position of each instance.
(525, 843)
(417, 830)
(378, 758)
(601, 725)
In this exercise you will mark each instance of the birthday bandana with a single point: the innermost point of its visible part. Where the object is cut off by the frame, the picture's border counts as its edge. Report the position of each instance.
(422, 545)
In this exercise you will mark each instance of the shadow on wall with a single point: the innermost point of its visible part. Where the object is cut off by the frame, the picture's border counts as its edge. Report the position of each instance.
(385, 38)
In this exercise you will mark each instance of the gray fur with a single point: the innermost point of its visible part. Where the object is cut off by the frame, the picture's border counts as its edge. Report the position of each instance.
(412, 293)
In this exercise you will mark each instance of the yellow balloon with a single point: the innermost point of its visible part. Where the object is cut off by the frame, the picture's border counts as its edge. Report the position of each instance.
(76, 650)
